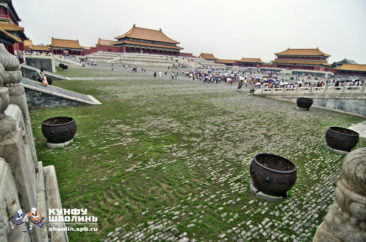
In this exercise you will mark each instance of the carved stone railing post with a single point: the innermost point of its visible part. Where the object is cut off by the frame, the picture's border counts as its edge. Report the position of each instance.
(346, 219)
(17, 151)
(9, 205)
(11, 75)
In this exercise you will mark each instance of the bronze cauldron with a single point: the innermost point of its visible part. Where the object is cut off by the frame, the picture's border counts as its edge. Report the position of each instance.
(59, 129)
(341, 138)
(273, 174)
(304, 102)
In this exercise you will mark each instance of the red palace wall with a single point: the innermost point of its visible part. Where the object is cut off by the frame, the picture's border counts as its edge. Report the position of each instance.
(314, 68)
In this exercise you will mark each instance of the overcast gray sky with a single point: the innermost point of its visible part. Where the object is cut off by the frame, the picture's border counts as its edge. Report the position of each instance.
(230, 29)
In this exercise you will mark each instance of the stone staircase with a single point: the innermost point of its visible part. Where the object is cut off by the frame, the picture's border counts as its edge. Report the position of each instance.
(72, 61)
(102, 56)
(150, 60)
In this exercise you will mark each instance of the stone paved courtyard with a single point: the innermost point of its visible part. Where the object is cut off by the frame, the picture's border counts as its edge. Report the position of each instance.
(169, 160)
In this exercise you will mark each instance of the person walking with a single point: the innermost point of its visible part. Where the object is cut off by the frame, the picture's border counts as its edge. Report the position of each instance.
(240, 84)
(43, 78)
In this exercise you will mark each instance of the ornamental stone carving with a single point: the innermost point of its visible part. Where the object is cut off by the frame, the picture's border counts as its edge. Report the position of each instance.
(9, 61)
(346, 219)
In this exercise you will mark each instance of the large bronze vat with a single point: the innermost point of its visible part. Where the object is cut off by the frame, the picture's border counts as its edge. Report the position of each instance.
(59, 129)
(273, 174)
(341, 138)
(304, 103)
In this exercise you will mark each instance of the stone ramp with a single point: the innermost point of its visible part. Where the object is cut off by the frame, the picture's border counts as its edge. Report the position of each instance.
(360, 128)
(39, 96)
(30, 69)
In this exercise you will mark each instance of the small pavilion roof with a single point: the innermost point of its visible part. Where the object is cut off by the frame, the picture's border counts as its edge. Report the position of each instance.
(147, 34)
(303, 52)
(207, 56)
(65, 43)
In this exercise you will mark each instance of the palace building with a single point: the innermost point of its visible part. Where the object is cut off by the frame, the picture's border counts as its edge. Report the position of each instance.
(249, 62)
(65, 46)
(350, 69)
(11, 34)
(151, 41)
(308, 59)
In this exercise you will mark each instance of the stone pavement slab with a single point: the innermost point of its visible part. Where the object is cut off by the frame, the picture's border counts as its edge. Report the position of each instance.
(360, 128)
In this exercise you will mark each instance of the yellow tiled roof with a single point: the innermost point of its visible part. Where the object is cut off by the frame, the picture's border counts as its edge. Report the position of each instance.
(305, 52)
(207, 56)
(148, 44)
(27, 43)
(10, 27)
(351, 67)
(106, 42)
(40, 47)
(147, 34)
(11, 36)
(251, 60)
(223, 61)
(65, 43)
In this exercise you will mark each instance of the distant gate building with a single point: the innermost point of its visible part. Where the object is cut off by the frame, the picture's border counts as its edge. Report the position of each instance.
(65, 46)
(308, 59)
(143, 40)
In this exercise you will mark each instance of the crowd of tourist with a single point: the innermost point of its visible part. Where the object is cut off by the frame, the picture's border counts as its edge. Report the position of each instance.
(257, 78)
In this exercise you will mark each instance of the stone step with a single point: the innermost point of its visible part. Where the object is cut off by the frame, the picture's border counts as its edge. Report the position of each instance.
(360, 128)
